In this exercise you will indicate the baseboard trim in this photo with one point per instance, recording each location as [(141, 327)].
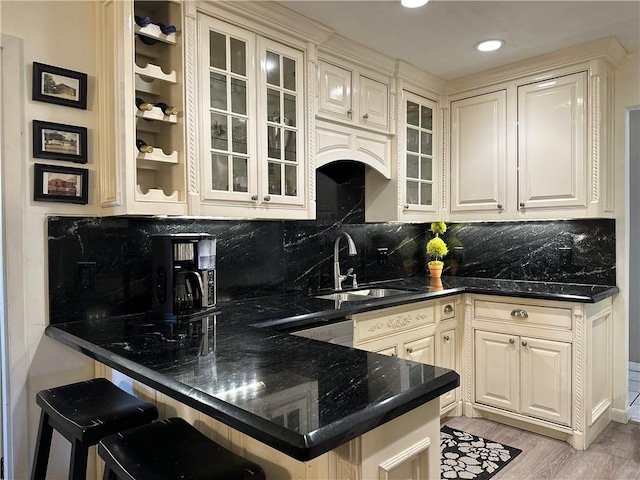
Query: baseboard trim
[(620, 416), (634, 366)]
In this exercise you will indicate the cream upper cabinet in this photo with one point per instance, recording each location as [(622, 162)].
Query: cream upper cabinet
[(351, 95), (479, 153), (252, 156), (552, 151)]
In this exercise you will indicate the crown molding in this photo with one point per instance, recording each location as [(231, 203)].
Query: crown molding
[(418, 81), (607, 49)]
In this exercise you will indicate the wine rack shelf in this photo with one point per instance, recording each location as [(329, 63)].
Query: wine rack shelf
[(155, 72), (153, 31), (155, 195), (156, 114), (156, 158)]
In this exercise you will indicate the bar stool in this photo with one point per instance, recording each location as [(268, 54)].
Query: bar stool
[(171, 449), (83, 413)]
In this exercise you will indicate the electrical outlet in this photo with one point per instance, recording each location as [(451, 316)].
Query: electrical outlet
[(86, 276), (564, 254), (382, 255), (458, 255)]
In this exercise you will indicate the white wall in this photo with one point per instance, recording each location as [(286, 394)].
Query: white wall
[(61, 34), (627, 94), (633, 138)]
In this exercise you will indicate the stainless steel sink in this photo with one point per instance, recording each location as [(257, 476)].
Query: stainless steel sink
[(362, 295)]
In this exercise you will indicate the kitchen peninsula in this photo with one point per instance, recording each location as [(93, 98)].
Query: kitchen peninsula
[(301, 397)]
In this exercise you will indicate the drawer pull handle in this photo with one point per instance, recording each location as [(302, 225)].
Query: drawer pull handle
[(409, 350), (524, 344), (446, 338), (511, 341), (448, 309), (519, 313)]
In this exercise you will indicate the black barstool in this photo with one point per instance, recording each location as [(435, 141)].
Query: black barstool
[(171, 449), (83, 413)]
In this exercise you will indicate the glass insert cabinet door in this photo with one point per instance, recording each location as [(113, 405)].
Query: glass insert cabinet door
[(251, 117), (280, 124), (420, 170)]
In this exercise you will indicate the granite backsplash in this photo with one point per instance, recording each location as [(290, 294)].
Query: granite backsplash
[(257, 258)]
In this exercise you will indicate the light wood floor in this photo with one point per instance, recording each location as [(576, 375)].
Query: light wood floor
[(614, 455)]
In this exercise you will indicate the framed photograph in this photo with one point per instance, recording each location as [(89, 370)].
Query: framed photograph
[(60, 184), (59, 142), (59, 85)]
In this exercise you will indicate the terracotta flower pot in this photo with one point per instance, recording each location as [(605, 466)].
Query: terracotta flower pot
[(435, 271)]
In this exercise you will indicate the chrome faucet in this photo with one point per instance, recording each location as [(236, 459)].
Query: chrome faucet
[(338, 278)]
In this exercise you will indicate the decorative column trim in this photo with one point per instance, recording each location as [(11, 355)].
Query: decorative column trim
[(578, 321), (468, 350), (595, 138), (400, 135), (445, 158), (311, 130), (191, 110)]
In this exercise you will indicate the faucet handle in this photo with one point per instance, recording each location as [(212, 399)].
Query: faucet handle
[(355, 282)]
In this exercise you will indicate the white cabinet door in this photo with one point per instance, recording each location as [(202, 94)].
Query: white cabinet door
[(421, 350), (497, 375), (446, 357), (546, 379), (335, 96), (552, 150), (478, 153), (374, 103)]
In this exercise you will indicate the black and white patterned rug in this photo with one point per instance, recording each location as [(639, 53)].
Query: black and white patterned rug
[(467, 456)]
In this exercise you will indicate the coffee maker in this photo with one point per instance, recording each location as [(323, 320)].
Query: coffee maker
[(184, 275)]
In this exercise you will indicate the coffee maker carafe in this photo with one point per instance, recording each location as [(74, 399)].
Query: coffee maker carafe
[(184, 275)]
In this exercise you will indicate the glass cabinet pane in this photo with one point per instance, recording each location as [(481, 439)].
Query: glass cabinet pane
[(238, 56), (290, 180), (239, 135), (289, 73), (426, 118), (425, 143), (217, 50), (290, 145), (289, 110), (412, 166), (273, 68), (240, 174), (412, 192), (425, 194), (273, 105), (218, 91), (219, 132), (413, 112), (275, 179), (219, 172), (274, 150), (412, 140), (426, 169), (238, 96)]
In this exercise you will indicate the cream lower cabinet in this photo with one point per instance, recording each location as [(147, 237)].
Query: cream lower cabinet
[(536, 378), (540, 365), (423, 332)]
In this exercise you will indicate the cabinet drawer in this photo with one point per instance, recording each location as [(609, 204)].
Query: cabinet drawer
[(392, 320), (523, 314)]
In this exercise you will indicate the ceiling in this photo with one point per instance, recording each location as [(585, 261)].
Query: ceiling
[(440, 36)]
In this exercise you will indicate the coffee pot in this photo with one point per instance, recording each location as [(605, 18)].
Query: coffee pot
[(184, 275)]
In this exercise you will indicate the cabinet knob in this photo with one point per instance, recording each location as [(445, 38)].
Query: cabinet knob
[(522, 204), (267, 198), (446, 338), (499, 206), (512, 341), (524, 344), (349, 112), (406, 207), (519, 313), (394, 354), (254, 198), (409, 350), (365, 116), (448, 309)]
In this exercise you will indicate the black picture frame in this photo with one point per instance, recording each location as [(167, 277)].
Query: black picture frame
[(53, 183), (56, 141), (60, 86)]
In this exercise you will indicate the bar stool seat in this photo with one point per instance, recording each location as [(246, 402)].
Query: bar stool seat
[(171, 449), (83, 413)]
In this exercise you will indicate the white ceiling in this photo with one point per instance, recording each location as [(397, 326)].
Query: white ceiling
[(440, 36)]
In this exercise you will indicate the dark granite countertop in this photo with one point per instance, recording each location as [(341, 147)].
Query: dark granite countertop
[(300, 396)]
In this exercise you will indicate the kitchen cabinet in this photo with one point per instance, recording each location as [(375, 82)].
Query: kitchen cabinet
[(533, 141), (540, 365), (423, 332), (536, 375), (479, 153), (351, 95), (253, 162), (141, 62)]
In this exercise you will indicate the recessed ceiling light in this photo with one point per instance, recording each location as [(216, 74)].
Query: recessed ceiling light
[(489, 45), (413, 3)]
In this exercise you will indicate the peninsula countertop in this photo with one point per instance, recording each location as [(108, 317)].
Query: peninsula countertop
[(232, 364)]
